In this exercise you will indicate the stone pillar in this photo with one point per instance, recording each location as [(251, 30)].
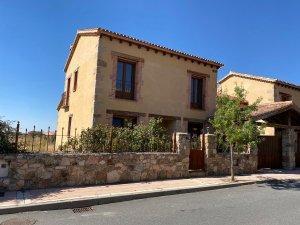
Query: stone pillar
[(289, 145), (183, 143), (184, 125), (211, 157), (210, 144)]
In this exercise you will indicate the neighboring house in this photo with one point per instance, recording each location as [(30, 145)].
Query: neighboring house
[(113, 78), (279, 111), (269, 89)]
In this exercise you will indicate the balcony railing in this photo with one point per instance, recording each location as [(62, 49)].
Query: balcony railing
[(64, 101)]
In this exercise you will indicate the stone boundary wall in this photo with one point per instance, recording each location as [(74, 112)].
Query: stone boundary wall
[(219, 163), (33, 171)]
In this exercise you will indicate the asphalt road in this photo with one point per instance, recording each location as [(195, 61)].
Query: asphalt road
[(254, 204)]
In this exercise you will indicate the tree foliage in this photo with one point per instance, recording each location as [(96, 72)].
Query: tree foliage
[(233, 123), (6, 137)]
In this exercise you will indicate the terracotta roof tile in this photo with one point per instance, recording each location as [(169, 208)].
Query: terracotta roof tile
[(269, 109)]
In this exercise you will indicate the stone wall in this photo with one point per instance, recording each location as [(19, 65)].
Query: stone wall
[(289, 147), (31, 171), (219, 163)]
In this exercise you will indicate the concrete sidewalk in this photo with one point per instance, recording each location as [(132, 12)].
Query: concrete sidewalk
[(61, 198)]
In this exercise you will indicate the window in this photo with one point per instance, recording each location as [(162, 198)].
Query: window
[(69, 126), (68, 91), (197, 97), (75, 81), (125, 80), (285, 97), (119, 121)]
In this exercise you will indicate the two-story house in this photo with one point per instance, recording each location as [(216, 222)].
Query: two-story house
[(268, 89), (279, 112), (111, 78)]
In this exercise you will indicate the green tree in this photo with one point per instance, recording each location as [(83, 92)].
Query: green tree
[(233, 123), (6, 137)]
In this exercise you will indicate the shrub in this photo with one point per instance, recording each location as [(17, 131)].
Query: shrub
[(94, 139), (143, 137), (71, 144), (6, 137)]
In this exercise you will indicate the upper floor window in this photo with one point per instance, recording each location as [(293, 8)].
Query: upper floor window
[(197, 94), (75, 80), (285, 97), (68, 91), (125, 80)]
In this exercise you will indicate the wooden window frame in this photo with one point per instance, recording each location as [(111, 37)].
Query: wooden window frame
[(197, 105), (69, 126), (68, 91), (75, 82), (123, 94)]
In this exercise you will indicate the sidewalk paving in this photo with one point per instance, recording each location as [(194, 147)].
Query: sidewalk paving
[(59, 198)]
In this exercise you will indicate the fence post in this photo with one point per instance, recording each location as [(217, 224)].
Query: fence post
[(25, 141), (55, 134), (17, 134), (110, 140), (48, 139), (41, 136), (62, 136), (33, 133)]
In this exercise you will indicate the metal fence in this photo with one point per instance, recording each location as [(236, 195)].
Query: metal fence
[(35, 140), (39, 140)]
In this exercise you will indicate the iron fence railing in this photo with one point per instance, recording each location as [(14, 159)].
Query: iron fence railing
[(35, 140), (47, 140)]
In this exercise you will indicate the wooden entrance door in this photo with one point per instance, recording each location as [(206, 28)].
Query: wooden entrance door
[(297, 153), (270, 152), (196, 152)]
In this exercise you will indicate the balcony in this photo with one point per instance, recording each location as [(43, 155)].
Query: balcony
[(64, 102)]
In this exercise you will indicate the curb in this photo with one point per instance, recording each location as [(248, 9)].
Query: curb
[(101, 200)]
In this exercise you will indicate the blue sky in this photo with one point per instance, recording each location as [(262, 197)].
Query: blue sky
[(253, 36)]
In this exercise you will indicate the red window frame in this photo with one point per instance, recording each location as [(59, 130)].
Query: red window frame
[(68, 91), (123, 94), (75, 80)]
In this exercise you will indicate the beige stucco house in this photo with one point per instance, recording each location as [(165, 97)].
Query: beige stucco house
[(268, 89), (111, 77), (279, 112)]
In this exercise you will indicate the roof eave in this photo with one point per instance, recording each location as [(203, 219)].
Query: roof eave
[(98, 31)]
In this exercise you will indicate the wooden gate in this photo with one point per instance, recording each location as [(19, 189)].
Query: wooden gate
[(270, 152), (297, 153), (196, 159), (196, 155)]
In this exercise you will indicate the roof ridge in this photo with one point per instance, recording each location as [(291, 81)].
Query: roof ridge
[(260, 78), (252, 75)]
